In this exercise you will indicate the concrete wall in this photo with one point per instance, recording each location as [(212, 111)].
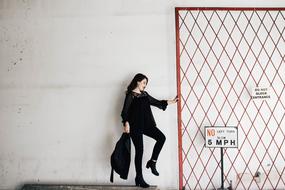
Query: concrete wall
[(64, 66)]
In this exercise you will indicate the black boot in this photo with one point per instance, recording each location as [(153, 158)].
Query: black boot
[(140, 182), (152, 165)]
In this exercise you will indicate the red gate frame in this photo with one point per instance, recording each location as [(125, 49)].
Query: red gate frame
[(177, 9)]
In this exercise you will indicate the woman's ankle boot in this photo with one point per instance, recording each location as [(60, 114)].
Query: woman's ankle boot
[(152, 165), (140, 182)]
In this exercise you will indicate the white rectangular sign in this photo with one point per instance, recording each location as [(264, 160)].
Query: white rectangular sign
[(221, 137), (261, 93)]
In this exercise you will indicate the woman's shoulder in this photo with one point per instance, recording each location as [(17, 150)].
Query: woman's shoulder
[(145, 92), (129, 94)]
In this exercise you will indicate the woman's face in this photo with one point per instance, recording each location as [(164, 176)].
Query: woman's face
[(142, 84)]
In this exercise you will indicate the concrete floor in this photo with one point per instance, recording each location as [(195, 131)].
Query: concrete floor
[(81, 187)]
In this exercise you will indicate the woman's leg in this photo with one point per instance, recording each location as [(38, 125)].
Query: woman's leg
[(156, 134), (137, 139)]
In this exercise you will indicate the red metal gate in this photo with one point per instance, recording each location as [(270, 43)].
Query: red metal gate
[(222, 54)]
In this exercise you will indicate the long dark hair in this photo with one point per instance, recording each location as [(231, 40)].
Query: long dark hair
[(138, 77)]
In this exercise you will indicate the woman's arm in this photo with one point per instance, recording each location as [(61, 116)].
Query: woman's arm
[(161, 104), (125, 111)]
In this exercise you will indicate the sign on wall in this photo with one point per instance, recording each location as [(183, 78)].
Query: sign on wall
[(221, 137), (261, 93)]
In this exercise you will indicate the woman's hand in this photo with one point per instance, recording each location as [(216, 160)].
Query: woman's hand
[(172, 101), (126, 128)]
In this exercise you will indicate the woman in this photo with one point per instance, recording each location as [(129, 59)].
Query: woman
[(138, 120)]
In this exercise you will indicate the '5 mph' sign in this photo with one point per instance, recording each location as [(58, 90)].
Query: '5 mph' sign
[(221, 137)]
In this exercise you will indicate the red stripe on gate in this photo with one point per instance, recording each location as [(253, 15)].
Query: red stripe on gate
[(179, 102)]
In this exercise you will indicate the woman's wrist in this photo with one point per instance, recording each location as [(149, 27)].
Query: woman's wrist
[(175, 100), (126, 128), (170, 102)]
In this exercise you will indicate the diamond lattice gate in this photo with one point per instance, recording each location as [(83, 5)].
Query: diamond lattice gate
[(222, 55)]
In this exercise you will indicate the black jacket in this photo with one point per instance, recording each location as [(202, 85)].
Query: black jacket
[(121, 156)]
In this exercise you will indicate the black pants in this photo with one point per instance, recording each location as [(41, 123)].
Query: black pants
[(137, 139)]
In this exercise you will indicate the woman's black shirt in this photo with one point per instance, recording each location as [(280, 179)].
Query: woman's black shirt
[(137, 111)]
